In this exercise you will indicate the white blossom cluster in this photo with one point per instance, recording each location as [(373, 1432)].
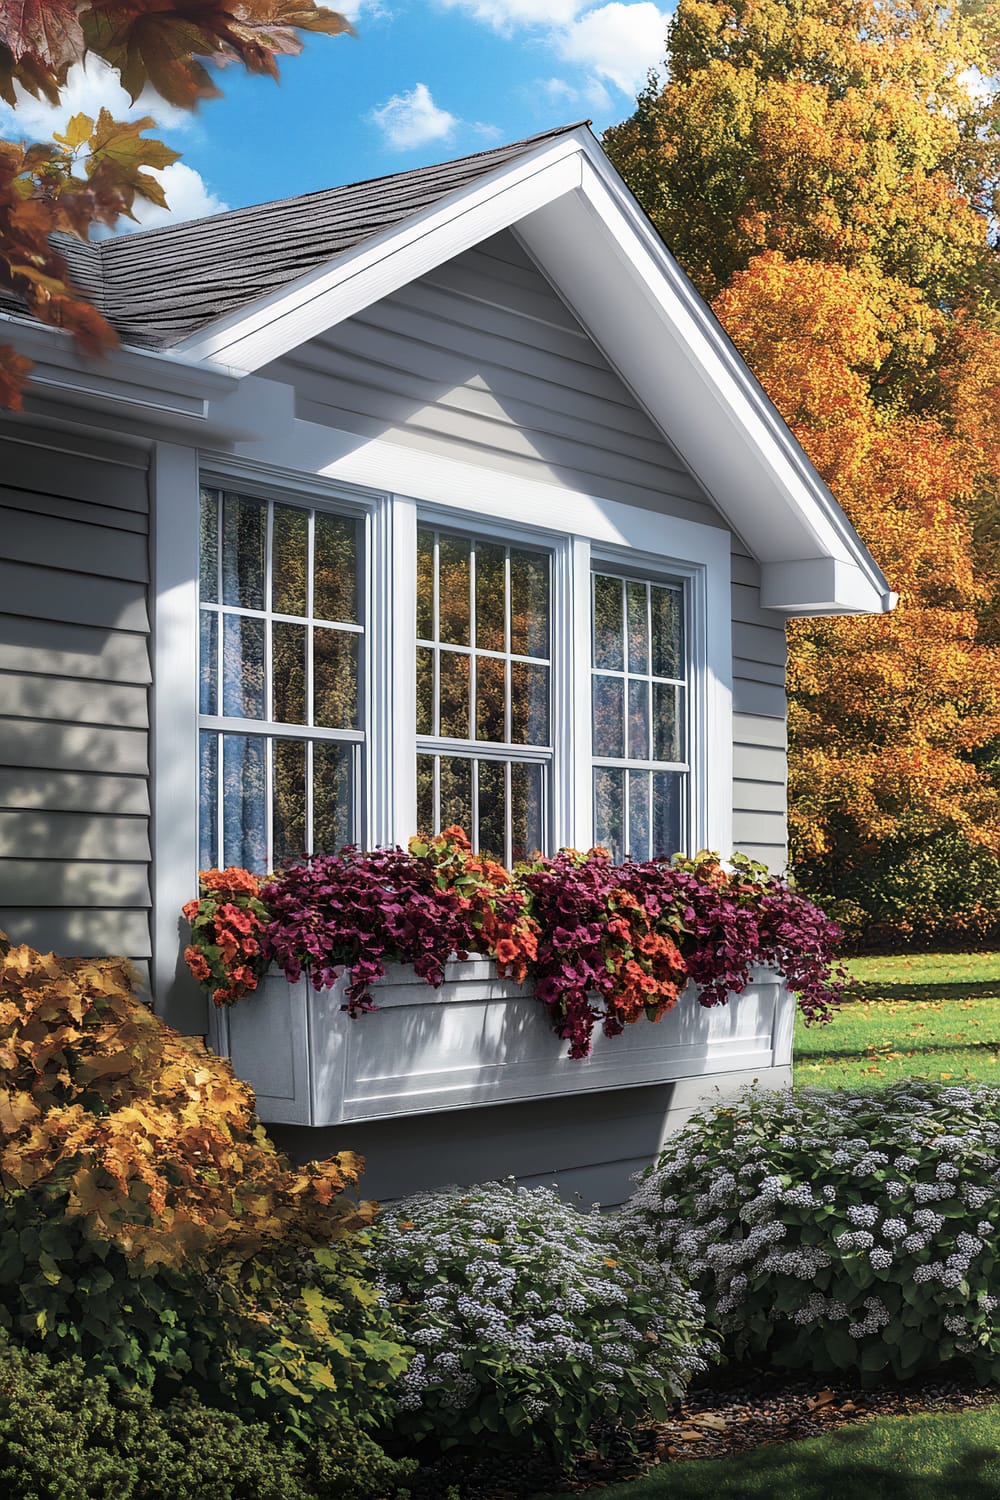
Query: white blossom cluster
[(504, 1289), (819, 1209)]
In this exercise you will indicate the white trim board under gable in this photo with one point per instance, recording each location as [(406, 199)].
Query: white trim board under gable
[(581, 225)]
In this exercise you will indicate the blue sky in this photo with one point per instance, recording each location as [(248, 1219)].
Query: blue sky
[(419, 83)]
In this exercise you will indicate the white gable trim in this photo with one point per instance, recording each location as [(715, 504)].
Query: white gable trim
[(584, 228)]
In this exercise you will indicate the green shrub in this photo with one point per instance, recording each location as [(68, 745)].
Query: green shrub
[(66, 1435), (834, 1231), (530, 1326), (909, 893)]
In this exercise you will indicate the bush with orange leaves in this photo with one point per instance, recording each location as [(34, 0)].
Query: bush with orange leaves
[(148, 1223)]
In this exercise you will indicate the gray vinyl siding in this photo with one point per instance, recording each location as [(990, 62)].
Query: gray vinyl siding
[(760, 775), (481, 360), (74, 691)]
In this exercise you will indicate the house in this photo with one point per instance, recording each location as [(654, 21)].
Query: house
[(437, 498)]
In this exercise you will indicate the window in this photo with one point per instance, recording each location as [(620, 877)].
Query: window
[(483, 711), (281, 674), (638, 676)]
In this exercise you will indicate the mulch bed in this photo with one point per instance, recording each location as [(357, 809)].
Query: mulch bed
[(745, 1410)]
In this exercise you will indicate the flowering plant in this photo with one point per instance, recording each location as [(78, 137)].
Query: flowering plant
[(603, 944), (604, 937), (837, 1231), (228, 922), (361, 911), (531, 1324), (492, 900)]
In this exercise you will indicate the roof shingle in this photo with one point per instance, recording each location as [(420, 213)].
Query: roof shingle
[(158, 286)]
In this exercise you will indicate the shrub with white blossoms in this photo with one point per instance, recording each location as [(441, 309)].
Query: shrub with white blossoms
[(838, 1231), (530, 1325)]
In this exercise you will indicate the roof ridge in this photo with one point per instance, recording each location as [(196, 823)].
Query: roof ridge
[(109, 245)]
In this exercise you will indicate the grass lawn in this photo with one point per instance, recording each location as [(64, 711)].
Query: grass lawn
[(934, 1016), (950, 1457)]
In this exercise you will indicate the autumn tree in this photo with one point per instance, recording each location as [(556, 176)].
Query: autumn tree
[(826, 174), (93, 174)]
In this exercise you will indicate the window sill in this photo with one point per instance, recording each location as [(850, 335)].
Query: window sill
[(478, 1040)]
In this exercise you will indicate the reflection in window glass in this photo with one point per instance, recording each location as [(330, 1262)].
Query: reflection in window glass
[(483, 683), (639, 708), (280, 680)]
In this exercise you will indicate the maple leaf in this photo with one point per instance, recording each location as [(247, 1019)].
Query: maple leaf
[(47, 32)]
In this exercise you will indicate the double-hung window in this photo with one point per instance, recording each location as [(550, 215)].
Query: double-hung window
[(557, 700), (484, 666), (640, 736), (282, 638)]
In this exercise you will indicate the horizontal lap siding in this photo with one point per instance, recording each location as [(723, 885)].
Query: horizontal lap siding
[(74, 688), (480, 360), (759, 721)]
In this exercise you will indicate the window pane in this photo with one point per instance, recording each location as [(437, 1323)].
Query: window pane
[(288, 835), (425, 794), (609, 650), (529, 603), (290, 560), (425, 584), (453, 668), (244, 535), (527, 836), (493, 809), (242, 667), (638, 627), (638, 815), (208, 691), (491, 595), (288, 673), (667, 793), (335, 679), (609, 716), (638, 720), (609, 811), (491, 698), (668, 723), (529, 704), (333, 796), (668, 631), (425, 690), (209, 570), (208, 801), (456, 792), (454, 589), (244, 802), (335, 569)]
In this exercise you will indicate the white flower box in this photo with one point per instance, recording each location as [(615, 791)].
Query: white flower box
[(477, 1040)]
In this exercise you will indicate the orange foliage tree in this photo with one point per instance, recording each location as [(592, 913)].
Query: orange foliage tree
[(826, 175), (93, 173)]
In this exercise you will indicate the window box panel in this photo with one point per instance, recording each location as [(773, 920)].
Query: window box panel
[(478, 1040)]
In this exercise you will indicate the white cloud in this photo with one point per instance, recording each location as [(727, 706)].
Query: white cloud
[(413, 119), (507, 15), (88, 88), (187, 198), (590, 93), (617, 41)]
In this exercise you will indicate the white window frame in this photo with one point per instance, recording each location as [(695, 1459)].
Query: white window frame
[(579, 530)]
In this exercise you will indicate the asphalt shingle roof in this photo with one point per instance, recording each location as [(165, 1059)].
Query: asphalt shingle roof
[(158, 286)]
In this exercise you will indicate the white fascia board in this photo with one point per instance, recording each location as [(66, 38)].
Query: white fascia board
[(283, 320), (674, 355), (145, 393), (820, 586)]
